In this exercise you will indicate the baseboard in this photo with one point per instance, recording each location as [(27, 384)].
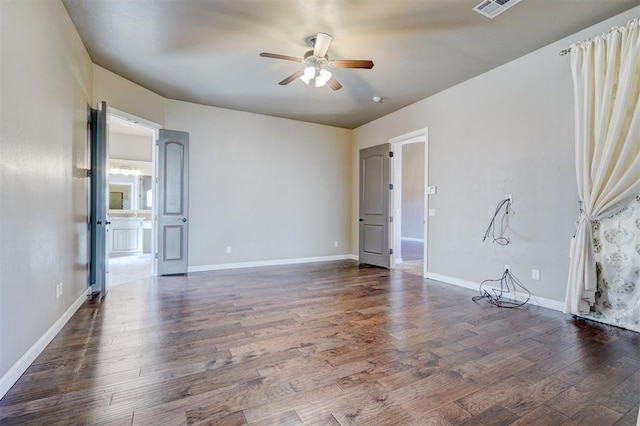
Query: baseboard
[(535, 300), (415, 240), (275, 262), (14, 373), (398, 260)]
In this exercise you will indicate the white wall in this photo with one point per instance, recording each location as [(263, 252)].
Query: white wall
[(509, 130), (267, 187), (127, 96), (45, 87), (413, 190), (130, 147)]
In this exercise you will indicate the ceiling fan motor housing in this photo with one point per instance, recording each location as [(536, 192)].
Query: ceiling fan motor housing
[(315, 61)]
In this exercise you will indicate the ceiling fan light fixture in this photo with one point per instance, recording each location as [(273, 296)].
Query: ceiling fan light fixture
[(309, 73), (322, 77), (317, 61)]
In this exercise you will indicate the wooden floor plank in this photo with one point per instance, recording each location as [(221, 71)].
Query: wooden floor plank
[(331, 343), (631, 418), (595, 415), (542, 416), (624, 396), (600, 382)]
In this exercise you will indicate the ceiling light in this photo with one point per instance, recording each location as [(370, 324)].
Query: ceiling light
[(377, 99), (320, 75), (127, 171), (309, 73)]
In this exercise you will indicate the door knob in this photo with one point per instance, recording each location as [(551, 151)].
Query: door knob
[(184, 219), (361, 220), (99, 222)]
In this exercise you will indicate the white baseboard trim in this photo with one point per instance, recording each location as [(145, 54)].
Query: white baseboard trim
[(415, 240), (14, 373), (535, 300), (275, 262), (398, 260)]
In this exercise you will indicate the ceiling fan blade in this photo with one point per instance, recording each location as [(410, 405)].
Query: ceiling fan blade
[(351, 63), (334, 83), (292, 77), (321, 45), (276, 56)]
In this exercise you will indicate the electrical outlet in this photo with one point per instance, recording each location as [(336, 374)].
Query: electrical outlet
[(58, 290), (432, 212), (535, 274), (507, 267), (228, 249), (335, 244)]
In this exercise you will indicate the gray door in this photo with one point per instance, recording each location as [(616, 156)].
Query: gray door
[(99, 200), (374, 206), (173, 195)]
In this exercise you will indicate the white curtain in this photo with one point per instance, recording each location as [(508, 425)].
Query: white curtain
[(606, 83)]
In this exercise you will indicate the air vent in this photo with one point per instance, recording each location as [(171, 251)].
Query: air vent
[(493, 8)]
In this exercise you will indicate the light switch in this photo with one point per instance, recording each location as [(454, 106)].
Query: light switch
[(431, 190)]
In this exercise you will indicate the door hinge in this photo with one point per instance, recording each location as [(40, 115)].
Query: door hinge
[(156, 255), (390, 251), (390, 186), (391, 219), (88, 173), (390, 154)]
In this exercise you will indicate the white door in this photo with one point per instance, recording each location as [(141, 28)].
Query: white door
[(374, 206), (172, 207)]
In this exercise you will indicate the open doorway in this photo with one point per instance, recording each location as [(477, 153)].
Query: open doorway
[(410, 164), (130, 239)]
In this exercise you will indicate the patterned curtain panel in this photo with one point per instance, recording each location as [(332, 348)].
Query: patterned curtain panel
[(616, 241)]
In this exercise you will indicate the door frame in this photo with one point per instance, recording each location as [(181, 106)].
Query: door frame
[(155, 127), (417, 136)]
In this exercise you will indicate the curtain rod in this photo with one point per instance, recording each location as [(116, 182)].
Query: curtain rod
[(566, 51)]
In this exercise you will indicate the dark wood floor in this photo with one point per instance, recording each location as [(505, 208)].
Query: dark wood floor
[(327, 343)]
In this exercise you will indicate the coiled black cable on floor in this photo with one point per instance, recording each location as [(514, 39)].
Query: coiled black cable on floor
[(508, 284)]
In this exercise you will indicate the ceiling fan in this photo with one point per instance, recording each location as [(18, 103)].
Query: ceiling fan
[(317, 64)]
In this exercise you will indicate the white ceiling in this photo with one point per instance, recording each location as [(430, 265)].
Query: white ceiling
[(206, 51)]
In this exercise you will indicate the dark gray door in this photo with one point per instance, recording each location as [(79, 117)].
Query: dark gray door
[(173, 197), (99, 200), (374, 206)]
